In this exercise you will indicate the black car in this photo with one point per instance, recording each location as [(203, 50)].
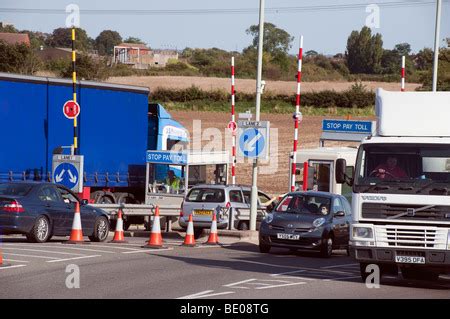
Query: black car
[(41, 210), (307, 220)]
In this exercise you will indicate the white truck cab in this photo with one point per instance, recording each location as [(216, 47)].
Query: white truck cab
[(401, 187)]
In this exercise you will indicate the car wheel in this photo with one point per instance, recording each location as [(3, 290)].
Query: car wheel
[(198, 233), (243, 226), (327, 247), (40, 232), (101, 230), (264, 248)]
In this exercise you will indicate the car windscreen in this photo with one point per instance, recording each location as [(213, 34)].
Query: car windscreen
[(304, 204), (11, 189), (206, 195)]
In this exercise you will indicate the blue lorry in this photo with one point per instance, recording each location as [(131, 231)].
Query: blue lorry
[(116, 127)]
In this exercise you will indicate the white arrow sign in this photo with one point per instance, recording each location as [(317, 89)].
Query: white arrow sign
[(250, 146), (58, 178), (72, 179)]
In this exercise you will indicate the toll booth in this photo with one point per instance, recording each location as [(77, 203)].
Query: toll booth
[(192, 167), (322, 160)]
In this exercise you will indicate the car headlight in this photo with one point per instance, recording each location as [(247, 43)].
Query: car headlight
[(318, 222), (363, 232), (269, 218)]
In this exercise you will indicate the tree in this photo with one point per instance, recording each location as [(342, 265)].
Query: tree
[(391, 59), (403, 49), (133, 40), (311, 53), (62, 37), (106, 41), (364, 52), (275, 40), (88, 68), (18, 58)]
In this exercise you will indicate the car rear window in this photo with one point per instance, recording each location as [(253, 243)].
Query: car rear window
[(14, 189), (206, 195)]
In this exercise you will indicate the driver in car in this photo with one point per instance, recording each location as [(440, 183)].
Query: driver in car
[(389, 169)]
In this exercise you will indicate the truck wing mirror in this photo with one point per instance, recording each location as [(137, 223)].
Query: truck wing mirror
[(340, 175)]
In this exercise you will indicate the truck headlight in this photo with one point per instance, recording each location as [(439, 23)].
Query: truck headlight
[(363, 232)]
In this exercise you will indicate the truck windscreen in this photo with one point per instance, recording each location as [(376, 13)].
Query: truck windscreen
[(403, 169)]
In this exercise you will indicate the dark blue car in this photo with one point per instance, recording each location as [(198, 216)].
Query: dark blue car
[(41, 210)]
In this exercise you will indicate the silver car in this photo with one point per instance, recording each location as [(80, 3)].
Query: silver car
[(204, 200)]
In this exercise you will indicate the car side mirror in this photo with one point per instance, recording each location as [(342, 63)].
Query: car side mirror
[(339, 214), (84, 202)]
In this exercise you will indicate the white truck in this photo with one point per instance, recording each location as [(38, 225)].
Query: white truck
[(401, 187)]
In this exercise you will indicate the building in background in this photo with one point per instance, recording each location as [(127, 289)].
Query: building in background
[(15, 38), (139, 56)]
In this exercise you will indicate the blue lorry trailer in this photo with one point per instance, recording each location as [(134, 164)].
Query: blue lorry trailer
[(116, 127)]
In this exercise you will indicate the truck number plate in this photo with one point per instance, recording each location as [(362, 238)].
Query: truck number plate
[(409, 260), (288, 236)]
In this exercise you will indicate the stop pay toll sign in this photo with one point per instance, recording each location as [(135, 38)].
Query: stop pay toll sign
[(71, 109)]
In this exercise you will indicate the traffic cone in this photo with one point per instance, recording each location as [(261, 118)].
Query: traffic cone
[(189, 240), (155, 240), (118, 234), (2, 264), (213, 238), (76, 235)]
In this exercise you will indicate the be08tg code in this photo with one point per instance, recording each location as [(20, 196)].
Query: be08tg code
[(237, 308)]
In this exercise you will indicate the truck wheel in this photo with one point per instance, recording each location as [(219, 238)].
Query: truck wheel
[(101, 230), (243, 226), (105, 200), (40, 232), (326, 250), (263, 248)]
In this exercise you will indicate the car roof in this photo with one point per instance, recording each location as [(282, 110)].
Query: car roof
[(221, 186), (315, 193)]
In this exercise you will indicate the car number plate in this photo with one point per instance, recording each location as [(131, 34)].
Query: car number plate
[(288, 236), (203, 212), (409, 260)]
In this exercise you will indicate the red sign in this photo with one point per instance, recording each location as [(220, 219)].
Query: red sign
[(232, 126), (71, 109)]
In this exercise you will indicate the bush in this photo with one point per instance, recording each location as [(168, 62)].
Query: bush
[(87, 68), (18, 58), (355, 97)]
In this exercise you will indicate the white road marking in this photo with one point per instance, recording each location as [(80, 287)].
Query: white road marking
[(115, 246), (337, 266), (282, 285), (13, 266), (32, 256), (75, 258), (213, 246), (288, 272), (236, 284), (341, 278), (43, 251), (69, 248), (206, 293), (147, 250), (16, 261), (297, 277)]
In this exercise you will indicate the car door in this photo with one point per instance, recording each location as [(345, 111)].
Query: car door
[(340, 223), (86, 214), (348, 219), (240, 206), (54, 206)]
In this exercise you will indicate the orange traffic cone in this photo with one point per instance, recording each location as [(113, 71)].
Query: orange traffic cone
[(118, 234), (76, 235), (189, 240), (155, 240), (213, 238), (2, 264)]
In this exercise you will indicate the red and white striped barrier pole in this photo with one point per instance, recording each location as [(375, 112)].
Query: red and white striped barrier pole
[(297, 115), (233, 120), (305, 176), (403, 73)]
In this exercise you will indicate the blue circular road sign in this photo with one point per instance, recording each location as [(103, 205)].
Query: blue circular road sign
[(66, 174), (252, 142)]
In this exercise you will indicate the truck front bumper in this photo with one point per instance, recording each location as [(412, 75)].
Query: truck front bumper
[(439, 259)]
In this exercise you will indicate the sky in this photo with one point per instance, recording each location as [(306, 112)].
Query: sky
[(325, 31)]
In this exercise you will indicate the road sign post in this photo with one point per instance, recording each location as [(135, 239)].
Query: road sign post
[(68, 171)]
